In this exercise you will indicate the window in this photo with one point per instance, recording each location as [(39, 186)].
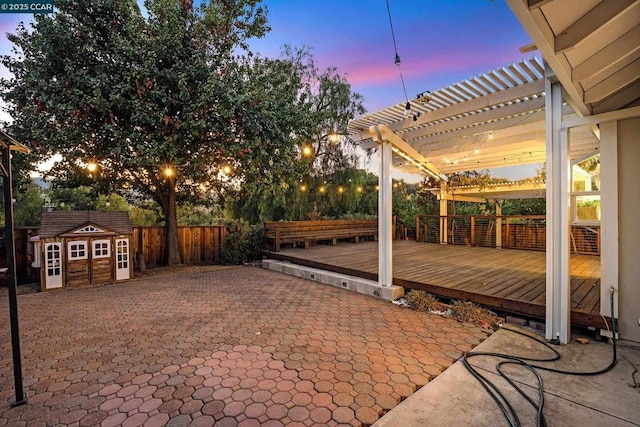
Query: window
[(77, 250), (585, 191), (101, 248), (89, 229)]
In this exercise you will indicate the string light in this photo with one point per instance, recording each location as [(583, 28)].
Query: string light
[(226, 169), (168, 171), (303, 188), (92, 167), (397, 60), (307, 150), (340, 190)]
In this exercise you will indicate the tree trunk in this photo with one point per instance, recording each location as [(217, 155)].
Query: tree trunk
[(172, 252)]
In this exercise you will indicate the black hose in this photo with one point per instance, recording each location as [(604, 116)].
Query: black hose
[(501, 400)]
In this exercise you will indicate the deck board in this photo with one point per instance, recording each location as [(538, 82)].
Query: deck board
[(505, 279)]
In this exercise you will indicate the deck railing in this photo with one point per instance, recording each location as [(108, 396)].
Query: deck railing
[(511, 231)]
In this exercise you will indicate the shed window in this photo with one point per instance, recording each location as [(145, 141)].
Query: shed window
[(77, 250), (101, 248), (89, 229)]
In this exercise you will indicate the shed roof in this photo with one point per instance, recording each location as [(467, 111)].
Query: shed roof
[(59, 222)]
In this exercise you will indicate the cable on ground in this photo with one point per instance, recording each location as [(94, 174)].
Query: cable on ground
[(506, 408)]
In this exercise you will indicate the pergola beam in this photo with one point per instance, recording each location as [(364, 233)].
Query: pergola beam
[(491, 116), (597, 19), (494, 188), (610, 57), (536, 25), (627, 113), (409, 152), (460, 198), (537, 3), (618, 80), (495, 98)]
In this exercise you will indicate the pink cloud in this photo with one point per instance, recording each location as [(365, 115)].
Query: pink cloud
[(365, 69)]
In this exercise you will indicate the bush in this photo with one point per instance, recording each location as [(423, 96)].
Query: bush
[(422, 301), (466, 311), (243, 243)]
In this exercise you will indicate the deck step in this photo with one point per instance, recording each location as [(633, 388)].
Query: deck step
[(342, 281)]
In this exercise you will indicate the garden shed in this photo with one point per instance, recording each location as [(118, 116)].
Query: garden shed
[(84, 247)]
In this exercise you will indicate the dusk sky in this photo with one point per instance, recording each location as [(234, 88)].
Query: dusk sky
[(439, 42)]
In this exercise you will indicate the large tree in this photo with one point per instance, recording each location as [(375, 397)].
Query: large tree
[(161, 99), (326, 104)]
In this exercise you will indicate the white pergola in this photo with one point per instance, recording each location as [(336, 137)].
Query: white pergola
[(524, 113)]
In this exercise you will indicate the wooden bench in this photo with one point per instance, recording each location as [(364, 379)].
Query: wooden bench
[(280, 232)]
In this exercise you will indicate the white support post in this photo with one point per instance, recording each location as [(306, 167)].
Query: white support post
[(444, 221), (558, 283), (498, 205), (385, 233), (609, 216)]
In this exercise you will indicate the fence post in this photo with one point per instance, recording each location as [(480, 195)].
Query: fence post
[(508, 233), (473, 230)]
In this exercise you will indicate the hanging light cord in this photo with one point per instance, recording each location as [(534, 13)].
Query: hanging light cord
[(395, 48)]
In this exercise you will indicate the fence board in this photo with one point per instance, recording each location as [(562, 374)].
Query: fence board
[(198, 245)]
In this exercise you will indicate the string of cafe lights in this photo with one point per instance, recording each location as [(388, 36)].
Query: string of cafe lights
[(397, 60), (326, 188), (489, 136)]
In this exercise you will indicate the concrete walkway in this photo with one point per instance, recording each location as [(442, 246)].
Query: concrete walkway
[(456, 398), (231, 346)]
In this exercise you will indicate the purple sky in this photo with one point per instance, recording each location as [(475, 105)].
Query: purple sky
[(440, 42)]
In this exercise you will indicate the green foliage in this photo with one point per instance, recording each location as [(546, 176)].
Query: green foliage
[(243, 243), (29, 205), (524, 207), (145, 214), (136, 91), (348, 193), (188, 214), (72, 199), (112, 203), (422, 301), (328, 105)]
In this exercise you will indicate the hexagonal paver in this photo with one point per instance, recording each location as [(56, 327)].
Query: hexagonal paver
[(272, 350)]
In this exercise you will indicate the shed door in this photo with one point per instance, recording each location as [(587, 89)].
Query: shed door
[(53, 263), (122, 259), (101, 262)]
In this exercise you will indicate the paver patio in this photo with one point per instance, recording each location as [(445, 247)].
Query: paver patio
[(225, 346)]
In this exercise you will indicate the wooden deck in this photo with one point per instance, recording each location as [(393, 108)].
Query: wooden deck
[(504, 279)]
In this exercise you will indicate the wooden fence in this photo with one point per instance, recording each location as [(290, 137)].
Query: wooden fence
[(198, 245)]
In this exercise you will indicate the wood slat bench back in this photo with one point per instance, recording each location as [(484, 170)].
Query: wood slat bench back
[(319, 230)]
